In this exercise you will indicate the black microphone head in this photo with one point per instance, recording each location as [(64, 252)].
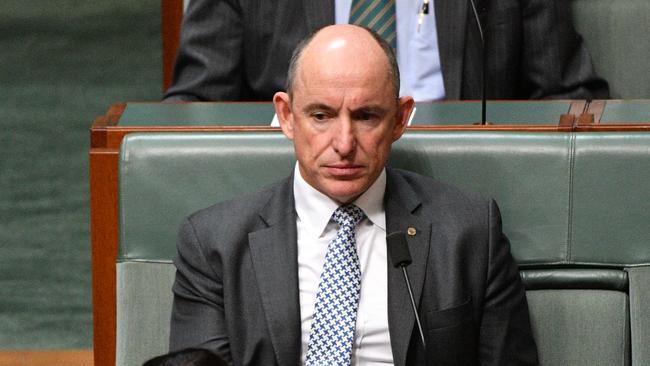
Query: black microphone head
[(398, 249)]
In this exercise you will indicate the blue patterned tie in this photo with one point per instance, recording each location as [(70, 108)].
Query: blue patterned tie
[(335, 312)]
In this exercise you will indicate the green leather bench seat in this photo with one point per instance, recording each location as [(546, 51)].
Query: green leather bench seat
[(575, 207), (617, 112)]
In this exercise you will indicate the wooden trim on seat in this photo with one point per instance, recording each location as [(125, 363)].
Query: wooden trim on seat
[(591, 121), (578, 107), (614, 128), (596, 107), (104, 231)]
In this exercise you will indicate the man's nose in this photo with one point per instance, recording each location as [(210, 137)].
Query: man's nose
[(344, 141)]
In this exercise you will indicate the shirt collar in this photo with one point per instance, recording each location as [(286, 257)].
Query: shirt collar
[(315, 209)]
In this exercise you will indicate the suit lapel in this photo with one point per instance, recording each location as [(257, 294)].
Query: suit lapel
[(318, 13), (401, 214), (451, 21), (274, 254)]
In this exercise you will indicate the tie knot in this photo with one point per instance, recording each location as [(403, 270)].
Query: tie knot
[(348, 215)]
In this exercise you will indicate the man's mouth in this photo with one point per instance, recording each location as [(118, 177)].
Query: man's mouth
[(344, 171)]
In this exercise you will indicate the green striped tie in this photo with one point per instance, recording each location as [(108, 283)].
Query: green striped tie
[(378, 15)]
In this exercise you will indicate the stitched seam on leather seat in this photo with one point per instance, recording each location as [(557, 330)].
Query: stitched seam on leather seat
[(626, 341), (124, 165), (570, 229)]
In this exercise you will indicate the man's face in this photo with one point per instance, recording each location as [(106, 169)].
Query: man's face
[(342, 120)]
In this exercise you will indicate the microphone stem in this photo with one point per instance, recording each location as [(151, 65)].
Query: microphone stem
[(483, 64), (483, 89), (415, 312)]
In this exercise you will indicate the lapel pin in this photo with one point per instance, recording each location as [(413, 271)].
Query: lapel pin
[(411, 231)]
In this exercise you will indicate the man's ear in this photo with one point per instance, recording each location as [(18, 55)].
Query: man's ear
[(404, 109), (282, 104)]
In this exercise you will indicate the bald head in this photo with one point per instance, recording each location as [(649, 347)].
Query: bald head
[(342, 110), (339, 48)]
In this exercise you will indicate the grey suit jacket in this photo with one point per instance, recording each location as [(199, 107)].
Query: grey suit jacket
[(240, 49), (236, 287)]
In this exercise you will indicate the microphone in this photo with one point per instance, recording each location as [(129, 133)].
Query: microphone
[(399, 254), (483, 63)]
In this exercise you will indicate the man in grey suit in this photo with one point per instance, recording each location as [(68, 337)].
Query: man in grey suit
[(251, 272), (240, 50)]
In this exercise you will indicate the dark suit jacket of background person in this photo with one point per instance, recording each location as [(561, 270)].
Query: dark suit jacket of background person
[(240, 50), (236, 287)]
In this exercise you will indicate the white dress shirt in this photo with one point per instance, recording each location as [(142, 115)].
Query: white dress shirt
[(418, 56), (315, 231)]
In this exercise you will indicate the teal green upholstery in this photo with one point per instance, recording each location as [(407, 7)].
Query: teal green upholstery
[(165, 177), (565, 321), (575, 207), (611, 198), (616, 34), (533, 201), (626, 112), (144, 304), (640, 314)]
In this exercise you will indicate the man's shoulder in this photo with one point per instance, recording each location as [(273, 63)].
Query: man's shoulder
[(431, 190), (448, 204), (241, 209)]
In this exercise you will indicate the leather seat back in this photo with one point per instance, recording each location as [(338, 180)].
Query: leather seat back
[(574, 207)]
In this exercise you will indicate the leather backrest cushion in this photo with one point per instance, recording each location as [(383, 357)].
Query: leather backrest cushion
[(564, 197), (165, 177), (611, 199)]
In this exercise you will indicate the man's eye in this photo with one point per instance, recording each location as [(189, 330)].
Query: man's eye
[(366, 116), (319, 116)]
